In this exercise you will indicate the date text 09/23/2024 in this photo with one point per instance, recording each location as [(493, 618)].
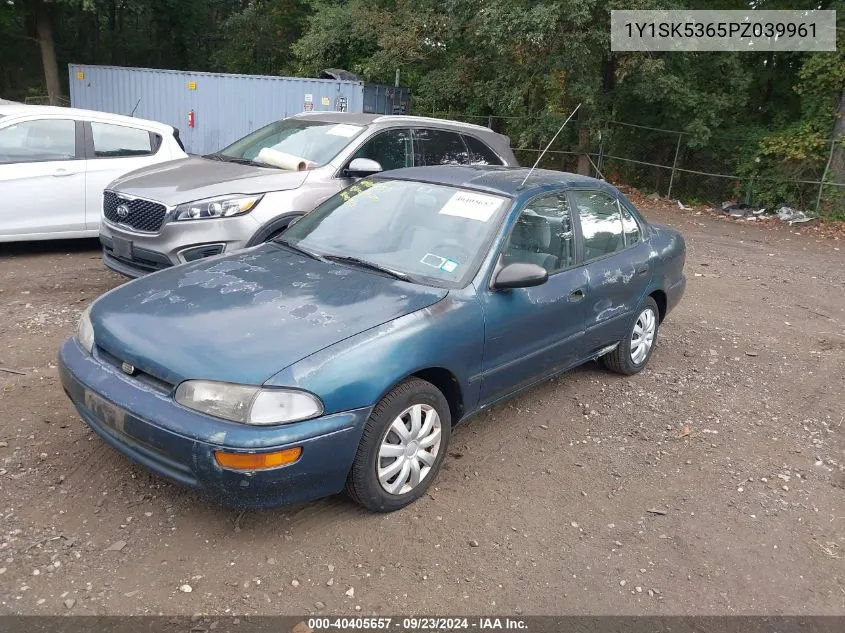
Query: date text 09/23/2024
[(416, 623)]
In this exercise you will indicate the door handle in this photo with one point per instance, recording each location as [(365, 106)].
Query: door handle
[(576, 295), (642, 270), (62, 172)]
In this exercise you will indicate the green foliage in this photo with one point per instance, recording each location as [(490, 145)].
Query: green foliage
[(258, 39), (798, 149), (763, 117)]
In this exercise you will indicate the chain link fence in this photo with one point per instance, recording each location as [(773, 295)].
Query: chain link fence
[(658, 160)]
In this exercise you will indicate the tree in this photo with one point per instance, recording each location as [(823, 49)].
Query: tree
[(41, 16), (258, 38)]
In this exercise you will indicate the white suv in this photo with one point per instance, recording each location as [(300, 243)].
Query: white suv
[(56, 162)]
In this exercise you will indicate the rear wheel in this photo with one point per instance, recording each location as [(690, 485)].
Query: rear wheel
[(634, 351), (402, 448)]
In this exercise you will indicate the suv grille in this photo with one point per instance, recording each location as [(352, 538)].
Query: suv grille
[(143, 215)]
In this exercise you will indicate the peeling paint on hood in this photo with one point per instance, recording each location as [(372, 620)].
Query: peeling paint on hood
[(244, 317)]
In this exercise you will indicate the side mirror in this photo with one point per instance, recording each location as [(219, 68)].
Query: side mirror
[(360, 167), (520, 275)]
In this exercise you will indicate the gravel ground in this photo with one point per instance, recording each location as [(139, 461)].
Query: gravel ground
[(711, 483)]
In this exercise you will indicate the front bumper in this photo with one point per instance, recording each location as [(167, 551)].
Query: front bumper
[(154, 251), (149, 427)]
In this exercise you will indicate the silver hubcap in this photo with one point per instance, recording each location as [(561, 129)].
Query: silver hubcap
[(643, 337), (408, 449)]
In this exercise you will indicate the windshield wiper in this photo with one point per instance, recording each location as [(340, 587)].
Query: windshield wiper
[(298, 249), (346, 259), (234, 159), (247, 161)]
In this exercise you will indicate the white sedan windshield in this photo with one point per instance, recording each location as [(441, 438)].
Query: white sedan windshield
[(434, 233)]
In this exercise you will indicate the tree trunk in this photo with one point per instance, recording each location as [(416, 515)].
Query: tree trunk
[(583, 143), (44, 29), (112, 20), (837, 161)]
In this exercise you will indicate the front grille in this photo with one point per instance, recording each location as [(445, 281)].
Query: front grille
[(143, 215), (149, 261), (148, 379)]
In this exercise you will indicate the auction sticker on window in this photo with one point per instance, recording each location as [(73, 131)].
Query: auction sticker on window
[(449, 265), (475, 206)]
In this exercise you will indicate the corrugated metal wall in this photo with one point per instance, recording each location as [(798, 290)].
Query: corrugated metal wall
[(386, 99), (226, 107)]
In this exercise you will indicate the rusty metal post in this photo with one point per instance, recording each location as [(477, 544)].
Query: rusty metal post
[(674, 164), (748, 195), (824, 174), (603, 136)]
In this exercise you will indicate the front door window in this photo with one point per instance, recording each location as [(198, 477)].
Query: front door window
[(391, 149)]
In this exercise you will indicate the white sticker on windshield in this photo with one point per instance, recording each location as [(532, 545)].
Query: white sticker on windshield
[(475, 206), (435, 261), (344, 130)]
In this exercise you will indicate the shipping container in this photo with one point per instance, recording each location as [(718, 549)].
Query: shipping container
[(212, 110)]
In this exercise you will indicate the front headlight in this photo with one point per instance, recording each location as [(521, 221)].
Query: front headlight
[(248, 404), (220, 207), (84, 331)]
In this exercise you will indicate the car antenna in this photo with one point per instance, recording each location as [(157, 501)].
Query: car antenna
[(543, 153), (136, 107)]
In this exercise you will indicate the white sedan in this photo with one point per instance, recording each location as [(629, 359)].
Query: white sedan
[(55, 163)]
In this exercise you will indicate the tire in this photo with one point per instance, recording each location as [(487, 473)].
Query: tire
[(268, 233), (621, 360), (273, 236), (363, 484)]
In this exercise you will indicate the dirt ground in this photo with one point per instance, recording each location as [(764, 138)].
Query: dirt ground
[(711, 483)]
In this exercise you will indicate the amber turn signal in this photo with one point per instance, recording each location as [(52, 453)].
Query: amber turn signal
[(257, 461)]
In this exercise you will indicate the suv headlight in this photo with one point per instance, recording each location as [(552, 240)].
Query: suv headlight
[(84, 331), (220, 207), (248, 404)]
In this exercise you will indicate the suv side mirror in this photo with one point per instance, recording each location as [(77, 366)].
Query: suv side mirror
[(520, 275), (360, 167)]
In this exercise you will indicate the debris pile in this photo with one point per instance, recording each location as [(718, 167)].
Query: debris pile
[(740, 210)]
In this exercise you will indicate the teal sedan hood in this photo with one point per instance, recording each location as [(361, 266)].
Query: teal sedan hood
[(243, 317)]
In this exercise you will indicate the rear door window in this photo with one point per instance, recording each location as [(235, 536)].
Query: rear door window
[(601, 223), (479, 153), (439, 147), (630, 227), (118, 141)]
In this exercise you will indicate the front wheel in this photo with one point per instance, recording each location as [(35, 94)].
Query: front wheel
[(277, 227), (402, 447), (634, 351)]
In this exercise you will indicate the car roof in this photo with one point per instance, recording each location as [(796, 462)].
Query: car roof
[(503, 181), (354, 118), (21, 110)]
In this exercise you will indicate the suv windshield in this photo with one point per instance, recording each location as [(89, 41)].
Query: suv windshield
[(314, 141), (429, 233)]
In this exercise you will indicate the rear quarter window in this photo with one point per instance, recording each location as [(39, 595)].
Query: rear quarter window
[(479, 153), (439, 147), (118, 141)]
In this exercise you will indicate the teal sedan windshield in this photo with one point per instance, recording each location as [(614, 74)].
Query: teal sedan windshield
[(429, 233)]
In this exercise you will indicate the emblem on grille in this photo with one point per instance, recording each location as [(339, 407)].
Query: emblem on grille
[(122, 211), (127, 368)]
